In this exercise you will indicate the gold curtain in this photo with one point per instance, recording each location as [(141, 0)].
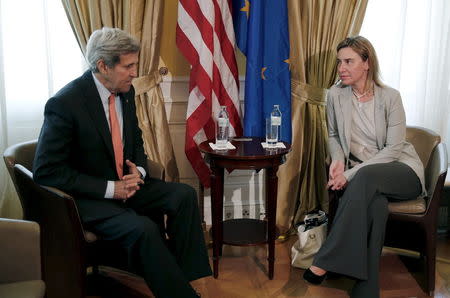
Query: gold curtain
[(315, 29), (143, 20)]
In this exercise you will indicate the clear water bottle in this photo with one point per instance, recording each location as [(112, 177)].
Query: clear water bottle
[(223, 128), (275, 122)]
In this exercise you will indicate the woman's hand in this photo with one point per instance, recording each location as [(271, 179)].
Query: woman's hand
[(338, 182), (337, 168)]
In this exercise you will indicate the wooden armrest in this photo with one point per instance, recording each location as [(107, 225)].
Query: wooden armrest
[(58, 192)]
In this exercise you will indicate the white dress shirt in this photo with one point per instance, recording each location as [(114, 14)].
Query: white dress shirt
[(104, 96)]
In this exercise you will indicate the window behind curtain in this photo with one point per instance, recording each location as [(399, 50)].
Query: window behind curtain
[(40, 55), (412, 40)]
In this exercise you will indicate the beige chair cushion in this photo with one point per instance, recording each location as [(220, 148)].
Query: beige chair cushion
[(416, 206), (20, 253), (23, 289)]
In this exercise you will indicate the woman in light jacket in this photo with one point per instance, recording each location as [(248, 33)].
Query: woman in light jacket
[(370, 160)]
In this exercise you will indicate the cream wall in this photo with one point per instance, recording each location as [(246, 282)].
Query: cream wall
[(243, 189)]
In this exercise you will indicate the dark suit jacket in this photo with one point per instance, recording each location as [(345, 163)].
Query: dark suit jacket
[(75, 152)]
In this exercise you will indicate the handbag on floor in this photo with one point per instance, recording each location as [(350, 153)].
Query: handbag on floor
[(311, 234)]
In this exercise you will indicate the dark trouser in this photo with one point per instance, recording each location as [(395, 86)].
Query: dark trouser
[(354, 244), (167, 267)]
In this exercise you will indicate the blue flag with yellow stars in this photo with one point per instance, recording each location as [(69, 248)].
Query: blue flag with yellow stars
[(262, 34)]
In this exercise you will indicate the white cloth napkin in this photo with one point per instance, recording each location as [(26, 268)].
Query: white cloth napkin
[(229, 146), (277, 145)]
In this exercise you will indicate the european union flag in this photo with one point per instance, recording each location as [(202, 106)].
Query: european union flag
[(262, 34)]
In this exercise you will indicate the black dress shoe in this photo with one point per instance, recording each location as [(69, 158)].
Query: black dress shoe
[(310, 277), (333, 275)]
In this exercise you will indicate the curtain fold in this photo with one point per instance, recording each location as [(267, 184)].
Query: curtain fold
[(315, 29), (143, 20)]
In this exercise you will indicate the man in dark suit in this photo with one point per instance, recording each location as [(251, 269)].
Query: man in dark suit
[(90, 145)]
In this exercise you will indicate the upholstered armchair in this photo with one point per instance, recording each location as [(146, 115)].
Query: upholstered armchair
[(412, 225), (68, 250), (20, 259)]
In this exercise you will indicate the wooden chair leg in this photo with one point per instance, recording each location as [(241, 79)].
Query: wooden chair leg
[(201, 202), (430, 263)]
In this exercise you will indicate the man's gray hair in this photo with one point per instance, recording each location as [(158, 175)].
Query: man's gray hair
[(108, 44)]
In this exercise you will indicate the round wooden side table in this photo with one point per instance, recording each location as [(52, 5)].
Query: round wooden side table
[(249, 154)]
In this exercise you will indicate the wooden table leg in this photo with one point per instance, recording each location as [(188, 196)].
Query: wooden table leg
[(271, 211), (201, 201), (201, 206), (217, 215)]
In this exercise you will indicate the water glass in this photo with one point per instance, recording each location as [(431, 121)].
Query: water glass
[(271, 133)]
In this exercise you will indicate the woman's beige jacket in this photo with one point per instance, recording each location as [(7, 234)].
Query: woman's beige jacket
[(390, 127)]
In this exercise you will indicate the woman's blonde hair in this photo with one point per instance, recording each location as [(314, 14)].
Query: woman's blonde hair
[(365, 50)]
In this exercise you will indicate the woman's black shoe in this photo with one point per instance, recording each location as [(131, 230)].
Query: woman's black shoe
[(310, 277)]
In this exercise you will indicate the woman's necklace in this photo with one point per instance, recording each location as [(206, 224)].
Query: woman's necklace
[(359, 96)]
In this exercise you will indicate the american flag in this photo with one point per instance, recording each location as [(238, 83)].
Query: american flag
[(205, 36)]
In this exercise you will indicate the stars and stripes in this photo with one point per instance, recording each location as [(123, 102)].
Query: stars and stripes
[(205, 36)]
